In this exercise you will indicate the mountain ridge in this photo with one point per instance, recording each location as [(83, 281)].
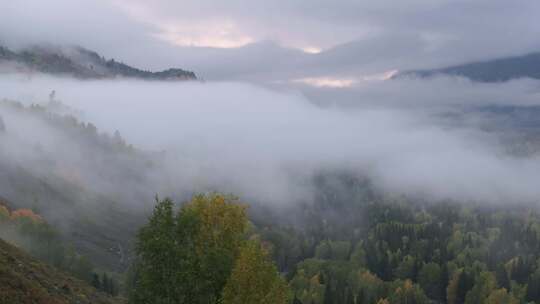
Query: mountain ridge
[(82, 63), (494, 70)]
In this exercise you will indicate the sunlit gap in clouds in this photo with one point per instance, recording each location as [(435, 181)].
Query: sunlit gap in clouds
[(337, 82), (311, 50), (208, 32), (327, 82), (216, 34)]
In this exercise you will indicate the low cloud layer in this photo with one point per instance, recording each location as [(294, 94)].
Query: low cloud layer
[(267, 145)]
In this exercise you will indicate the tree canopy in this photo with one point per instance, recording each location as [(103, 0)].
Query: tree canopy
[(200, 254)]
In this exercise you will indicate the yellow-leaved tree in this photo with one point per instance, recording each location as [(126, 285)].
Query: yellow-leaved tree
[(501, 296), (187, 256), (190, 256), (255, 279)]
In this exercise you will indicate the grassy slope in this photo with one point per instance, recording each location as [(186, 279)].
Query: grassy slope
[(26, 280)]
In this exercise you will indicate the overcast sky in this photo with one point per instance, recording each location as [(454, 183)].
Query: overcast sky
[(281, 39)]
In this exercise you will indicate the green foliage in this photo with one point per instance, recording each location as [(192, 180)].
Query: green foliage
[(408, 293), (356, 248), (370, 288), (406, 269), (484, 284), (188, 256), (450, 253), (306, 284), (96, 282), (333, 250), (358, 256), (27, 230), (23, 279), (159, 274), (402, 253), (429, 279), (4, 214), (533, 287)]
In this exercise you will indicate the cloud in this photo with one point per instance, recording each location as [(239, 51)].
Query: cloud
[(95, 24), (266, 145), (449, 93), (473, 27), (228, 40)]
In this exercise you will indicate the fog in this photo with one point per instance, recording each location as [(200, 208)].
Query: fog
[(265, 145)]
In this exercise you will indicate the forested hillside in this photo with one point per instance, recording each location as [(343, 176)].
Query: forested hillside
[(26, 280), (350, 243), (354, 245), (496, 70), (360, 247), (62, 191), (81, 63)]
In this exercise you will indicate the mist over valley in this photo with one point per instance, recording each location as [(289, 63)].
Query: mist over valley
[(176, 155)]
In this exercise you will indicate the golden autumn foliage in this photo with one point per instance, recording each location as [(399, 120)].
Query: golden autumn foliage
[(501, 296), (370, 286), (194, 249), (223, 222), (254, 279), (408, 293), (451, 289), (407, 288)]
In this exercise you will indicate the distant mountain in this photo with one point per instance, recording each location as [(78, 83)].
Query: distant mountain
[(497, 70), (81, 63), (23, 279)]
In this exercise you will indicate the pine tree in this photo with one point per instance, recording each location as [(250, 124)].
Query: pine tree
[(465, 283), (429, 279), (350, 297), (533, 288), (502, 276), (112, 287), (444, 281), (328, 294), (95, 281), (105, 284)]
